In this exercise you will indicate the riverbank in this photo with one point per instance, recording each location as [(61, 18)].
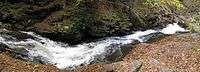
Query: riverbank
[(173, 53), (177, 53), (9, 64)]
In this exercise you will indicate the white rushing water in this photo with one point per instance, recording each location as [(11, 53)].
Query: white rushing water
[(63, 56)]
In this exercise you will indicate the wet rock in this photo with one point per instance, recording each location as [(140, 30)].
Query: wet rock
[(20, 53), (3, 47), (154, 36), (18, 35), (115, 55), (72, 39)]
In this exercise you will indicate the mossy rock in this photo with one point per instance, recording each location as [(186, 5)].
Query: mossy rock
[(159, 13), (22, 14), (193, 22), (97, 18)]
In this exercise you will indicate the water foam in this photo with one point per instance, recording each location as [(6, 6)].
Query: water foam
[(172, 29)]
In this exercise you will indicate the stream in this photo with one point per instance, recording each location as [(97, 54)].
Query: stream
[(64, 56)]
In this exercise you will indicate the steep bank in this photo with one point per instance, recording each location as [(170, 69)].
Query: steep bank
[(78, 20)]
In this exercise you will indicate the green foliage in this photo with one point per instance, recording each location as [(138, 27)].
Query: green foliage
[(196, 47), (75, 18), (158, 3), (120, 19), (77, 2), (194, 25), (5, 25), (153, 2), (17, 10)]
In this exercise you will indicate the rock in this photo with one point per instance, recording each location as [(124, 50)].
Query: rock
[(122, 51), (19, 51), (170, 54), (193, 12), (167, 70), (154, 36), (122, 66), (136, 66), (22, 14), (72, 39), (127, 66), (18, 35), (3, 47)]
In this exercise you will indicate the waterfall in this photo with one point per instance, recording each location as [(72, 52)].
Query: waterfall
[(63, 56)]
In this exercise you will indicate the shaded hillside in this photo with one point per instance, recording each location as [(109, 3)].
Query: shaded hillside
[(76, 20)]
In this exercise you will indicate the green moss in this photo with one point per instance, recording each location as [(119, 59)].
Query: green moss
[(194, 24), (120, 20), (16, 10), (158, 3), (156, 6), (196, 47), (75, 17), (77, 2), (7, 26)]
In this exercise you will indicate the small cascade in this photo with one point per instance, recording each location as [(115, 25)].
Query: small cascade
[(63, 56)]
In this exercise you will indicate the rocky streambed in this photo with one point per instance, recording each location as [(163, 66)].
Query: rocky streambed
[(34, 48), (176, 53), (179, 52)]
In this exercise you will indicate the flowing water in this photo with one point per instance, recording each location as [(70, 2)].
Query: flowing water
[(63, 56)]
